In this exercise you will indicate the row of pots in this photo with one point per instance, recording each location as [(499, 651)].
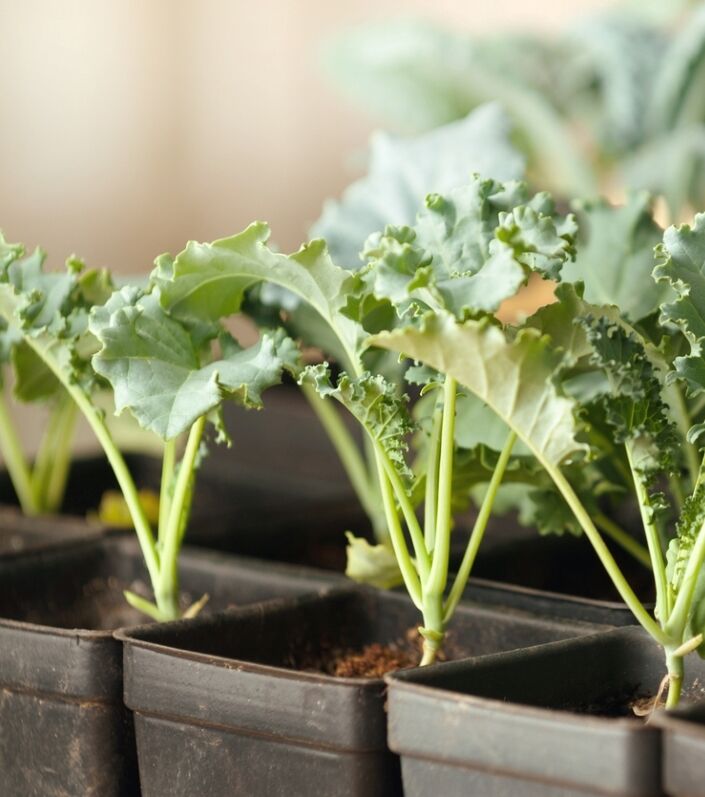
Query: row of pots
[(229, 702), (221, 704)]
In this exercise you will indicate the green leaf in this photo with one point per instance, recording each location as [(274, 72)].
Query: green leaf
[(403, 171), (682, 266), (375, 404), (550, 514), (371, 564), (34, 381), (155, 371), (9, 252), (560, 321), (207, 282), (515, 378), (615, 256), (634, 407), (469, 250), (45, 295)]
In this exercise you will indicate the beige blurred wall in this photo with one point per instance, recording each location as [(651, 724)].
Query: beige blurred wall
[(128, 127)]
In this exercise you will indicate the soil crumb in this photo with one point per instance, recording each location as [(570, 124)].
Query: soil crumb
[(373, 661)]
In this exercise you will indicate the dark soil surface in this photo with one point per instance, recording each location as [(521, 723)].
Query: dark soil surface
[(101, 606), (374, 660), (636, 704)]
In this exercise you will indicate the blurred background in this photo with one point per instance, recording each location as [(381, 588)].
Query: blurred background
[(129, 127)]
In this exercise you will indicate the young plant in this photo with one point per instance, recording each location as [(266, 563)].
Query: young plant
[(172, 377), (39, 485), (466, 253), (582, 380), (401, 173)]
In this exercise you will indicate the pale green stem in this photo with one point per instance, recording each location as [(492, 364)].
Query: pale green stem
[(168, 464), (433, 586), (54, 485), (43, 460), (120, 469), (478, 531), (167, 594), (348, 453), (624, 540), (653, 541), (396, 533), (432, 631), (436, 582), (387, 468), (603, 553), (16, 462), (684, 422), (675, 679), (431, 491), (143, 605)]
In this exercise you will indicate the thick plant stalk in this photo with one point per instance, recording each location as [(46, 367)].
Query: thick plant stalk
[(167, 591), (434, 586), (168, 465)]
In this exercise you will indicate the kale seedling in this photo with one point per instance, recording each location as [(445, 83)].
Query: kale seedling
[(581, 380), (39, 485), (172, 377), (467, 253)]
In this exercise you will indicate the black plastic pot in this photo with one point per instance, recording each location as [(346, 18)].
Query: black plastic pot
[(226, 705), (554, 576), (63, 726), (683, 749), (547, 721), (19, 534)]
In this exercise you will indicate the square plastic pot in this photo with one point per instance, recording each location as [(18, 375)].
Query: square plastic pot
[(683, 749), (227, 705), (63, 726), (554, 576), (548, 721)]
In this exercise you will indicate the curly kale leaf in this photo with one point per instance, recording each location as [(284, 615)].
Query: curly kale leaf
[(633, 404), (375, 403), (514, 377), (468, 251), (46, 312), (682, 266), (208, 281), (156, 369), (403, 170), (615, 258)]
